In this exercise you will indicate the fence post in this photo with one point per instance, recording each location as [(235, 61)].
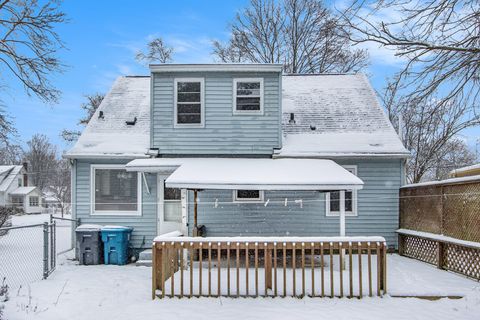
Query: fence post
[(440, 255), (45, 250)]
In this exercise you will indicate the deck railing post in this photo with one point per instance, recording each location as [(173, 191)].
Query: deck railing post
[(268, 268), (440, 254)]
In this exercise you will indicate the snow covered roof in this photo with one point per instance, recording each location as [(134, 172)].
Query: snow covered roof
[(465, 171), (253, 174), (7, 175), (335, 115), (110, 136), (21, 191), (466, 179)]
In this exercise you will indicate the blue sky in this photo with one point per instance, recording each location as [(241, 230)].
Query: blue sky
[(102, 38)]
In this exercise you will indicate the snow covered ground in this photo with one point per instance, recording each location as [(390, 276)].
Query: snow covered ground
[(21, 250), (123, 292)]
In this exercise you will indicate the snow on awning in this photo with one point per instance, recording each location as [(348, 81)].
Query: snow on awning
[(252, 174)]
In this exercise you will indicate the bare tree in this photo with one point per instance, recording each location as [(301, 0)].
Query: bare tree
[(60, 185), (92, 104), (455, 154), (438, 40), (41, 156), (157, 51), (301, 34), (429, 131), (29, 44), (10, 154)]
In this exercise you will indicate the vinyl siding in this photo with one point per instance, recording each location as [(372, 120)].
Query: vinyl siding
[(144, 226), (377, 208), (224, 132)]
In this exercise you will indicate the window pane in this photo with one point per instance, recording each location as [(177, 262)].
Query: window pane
[(335, 201), (115, 190), (172, 194), (248, 85), (348, 201), (188, 108), (248, 194), (33, 201), (188, 97), (248, 104), (172, 211), (189, 118), (188, 86)]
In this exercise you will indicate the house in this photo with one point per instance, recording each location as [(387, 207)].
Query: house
[(239, 150), (467, 171), (15, 190)]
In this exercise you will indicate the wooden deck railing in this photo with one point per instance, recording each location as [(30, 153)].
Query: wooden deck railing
[(268, 266)]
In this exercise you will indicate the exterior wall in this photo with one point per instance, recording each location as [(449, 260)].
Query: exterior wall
[(224, 132), (26, 202), (145, 226), (377, 208)]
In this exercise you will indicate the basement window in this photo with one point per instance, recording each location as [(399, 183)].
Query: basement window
[(248, 96), (248, 196)]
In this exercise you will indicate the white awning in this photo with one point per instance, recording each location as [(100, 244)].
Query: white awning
[(251, 174)]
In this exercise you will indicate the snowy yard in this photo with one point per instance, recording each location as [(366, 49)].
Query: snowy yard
[(123, 292), (21, 250)]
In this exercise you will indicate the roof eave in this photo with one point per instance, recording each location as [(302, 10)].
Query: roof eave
[(234, 67)]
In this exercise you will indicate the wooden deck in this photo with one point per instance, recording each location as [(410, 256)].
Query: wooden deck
[(269, 267)]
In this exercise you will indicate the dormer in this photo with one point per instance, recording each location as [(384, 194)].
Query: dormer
[(216, 109)]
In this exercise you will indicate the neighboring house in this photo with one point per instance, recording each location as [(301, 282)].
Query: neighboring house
[(15, 190), (261, 149), (467, 171)]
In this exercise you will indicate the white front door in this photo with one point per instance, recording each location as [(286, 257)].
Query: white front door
[(171, 208)]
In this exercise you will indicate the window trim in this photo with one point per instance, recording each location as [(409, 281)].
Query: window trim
[(30, 201), (354, 212), (249, 200), (202, 103), (234, 100), (94, 212)]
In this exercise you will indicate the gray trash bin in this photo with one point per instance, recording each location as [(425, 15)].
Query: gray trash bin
[(89, 244)]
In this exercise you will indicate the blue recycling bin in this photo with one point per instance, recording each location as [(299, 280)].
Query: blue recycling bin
[(115, 244)]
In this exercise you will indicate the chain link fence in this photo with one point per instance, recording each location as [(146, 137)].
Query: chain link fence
[(27, 253)]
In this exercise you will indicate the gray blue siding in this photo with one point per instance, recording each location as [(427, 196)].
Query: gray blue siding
[(224, 133), (145, 227), (377, 208)]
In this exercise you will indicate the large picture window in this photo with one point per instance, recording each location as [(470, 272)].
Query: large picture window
[(248, 96), (333, 199), (189, 109), (115, 191)]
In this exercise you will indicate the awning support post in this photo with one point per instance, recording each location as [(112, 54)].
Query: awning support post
[(342, 223), (195, 212)]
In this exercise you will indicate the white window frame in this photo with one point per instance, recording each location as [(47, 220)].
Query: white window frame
[(354, 212), (30, 201), (249, 200), (247, 112), (202, 103), (94, 212)]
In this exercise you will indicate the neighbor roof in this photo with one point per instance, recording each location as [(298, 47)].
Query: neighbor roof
[(335, 115), (21, 191), (110, 136), (7, 176)]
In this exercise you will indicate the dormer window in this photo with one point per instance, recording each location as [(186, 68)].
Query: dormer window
[(189, 105), (248, 96)]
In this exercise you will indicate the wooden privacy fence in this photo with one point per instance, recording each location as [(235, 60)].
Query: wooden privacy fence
[(440, 224), (269, 267)]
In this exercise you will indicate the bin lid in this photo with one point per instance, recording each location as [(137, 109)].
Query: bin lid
[(117, 228), (89, 227)]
